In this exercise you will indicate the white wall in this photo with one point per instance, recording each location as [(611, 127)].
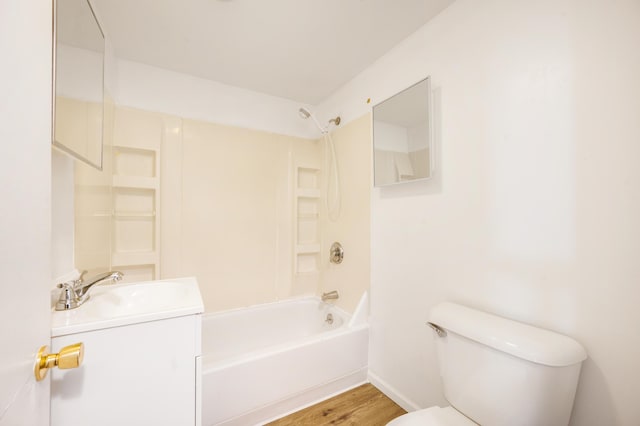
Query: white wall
[(155, 89), (534, 211)]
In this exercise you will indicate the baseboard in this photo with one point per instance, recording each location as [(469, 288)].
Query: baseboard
[(392, 393), (299, 401)]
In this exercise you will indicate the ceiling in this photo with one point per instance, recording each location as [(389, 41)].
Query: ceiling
[(301, 50)]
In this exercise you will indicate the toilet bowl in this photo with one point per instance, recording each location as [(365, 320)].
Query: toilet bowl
[(499, 372), (433, 416)]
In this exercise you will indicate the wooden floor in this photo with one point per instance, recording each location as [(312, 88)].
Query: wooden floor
[(364, 405)]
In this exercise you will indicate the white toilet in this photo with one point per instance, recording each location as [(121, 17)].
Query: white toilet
[(499, 372)]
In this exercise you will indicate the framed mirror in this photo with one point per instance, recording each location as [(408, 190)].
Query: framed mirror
[(78, 110), (402, 141)]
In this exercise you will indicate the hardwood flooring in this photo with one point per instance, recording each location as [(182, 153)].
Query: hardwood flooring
[(362, 406)]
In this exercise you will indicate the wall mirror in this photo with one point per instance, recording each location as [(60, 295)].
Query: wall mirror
[(402, 142), (78, 81)]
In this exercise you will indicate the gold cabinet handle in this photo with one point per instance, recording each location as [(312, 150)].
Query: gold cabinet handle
[(68, 357)]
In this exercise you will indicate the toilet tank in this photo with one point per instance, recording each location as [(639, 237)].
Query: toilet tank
[(500, 372)]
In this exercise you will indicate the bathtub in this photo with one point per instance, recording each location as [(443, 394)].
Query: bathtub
[(265, 361)]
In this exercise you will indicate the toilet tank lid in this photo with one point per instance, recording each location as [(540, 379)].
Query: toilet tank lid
[(515, 338)]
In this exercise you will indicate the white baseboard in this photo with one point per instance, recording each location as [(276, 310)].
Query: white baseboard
[(318, 394), (392, 393)]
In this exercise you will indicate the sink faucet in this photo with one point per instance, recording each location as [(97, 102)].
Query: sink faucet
[(75, 292), (332, 295)]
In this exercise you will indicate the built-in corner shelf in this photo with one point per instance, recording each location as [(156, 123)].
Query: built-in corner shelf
[(134, 258), (135, 215), (138, 182), (307, 220), (308, 193), (307, 248)]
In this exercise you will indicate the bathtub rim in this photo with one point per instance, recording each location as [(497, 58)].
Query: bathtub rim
[(346, 327), (212, 366), (311, 297)]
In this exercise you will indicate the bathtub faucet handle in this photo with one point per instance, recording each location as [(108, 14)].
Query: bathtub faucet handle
[(332, 295)]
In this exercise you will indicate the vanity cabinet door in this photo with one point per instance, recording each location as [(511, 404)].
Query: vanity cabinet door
[(141, 374)]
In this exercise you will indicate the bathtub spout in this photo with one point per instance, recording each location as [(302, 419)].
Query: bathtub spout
[(332, 295)]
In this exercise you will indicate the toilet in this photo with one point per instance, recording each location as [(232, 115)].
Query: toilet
[(499, 372)]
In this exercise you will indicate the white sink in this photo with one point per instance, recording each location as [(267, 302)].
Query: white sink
[(122, 304)]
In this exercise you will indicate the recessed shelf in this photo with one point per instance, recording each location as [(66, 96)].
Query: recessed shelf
[(308, 193), (134, 258), (307, 248), (307, 263), (309, 272), (134, 214), (307, 220), (135, 207), (134, 234), (308, 216), (101, 214), (129, 161), (307, 177), (140, 182)]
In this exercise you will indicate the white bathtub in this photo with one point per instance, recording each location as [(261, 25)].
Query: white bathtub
[(262, 362)]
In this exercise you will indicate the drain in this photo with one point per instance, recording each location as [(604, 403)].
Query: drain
[(329, 319)]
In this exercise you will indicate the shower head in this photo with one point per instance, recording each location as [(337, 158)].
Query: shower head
[(304, 113)]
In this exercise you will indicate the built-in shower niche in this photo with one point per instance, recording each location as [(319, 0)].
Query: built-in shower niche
[(135, 213), (307, 220), (134, 220), (134, 162)]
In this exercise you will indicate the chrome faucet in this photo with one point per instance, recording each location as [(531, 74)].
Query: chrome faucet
[(332, 295), (75, 292)]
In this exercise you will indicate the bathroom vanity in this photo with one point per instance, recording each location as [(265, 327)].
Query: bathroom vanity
[(141, 360)]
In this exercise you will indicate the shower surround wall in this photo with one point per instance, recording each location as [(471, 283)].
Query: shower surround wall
[(237, 228), (224, 205), (353, 227), (137, 175)]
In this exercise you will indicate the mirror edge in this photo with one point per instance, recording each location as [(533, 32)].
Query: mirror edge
[(54, 143), (431, 135)]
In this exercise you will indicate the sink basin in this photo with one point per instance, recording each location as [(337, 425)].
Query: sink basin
[(123, 304)]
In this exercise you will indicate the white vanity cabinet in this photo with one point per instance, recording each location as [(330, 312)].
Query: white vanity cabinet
[(142, 372)]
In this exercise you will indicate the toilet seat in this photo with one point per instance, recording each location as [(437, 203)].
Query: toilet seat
[(433, 416)]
